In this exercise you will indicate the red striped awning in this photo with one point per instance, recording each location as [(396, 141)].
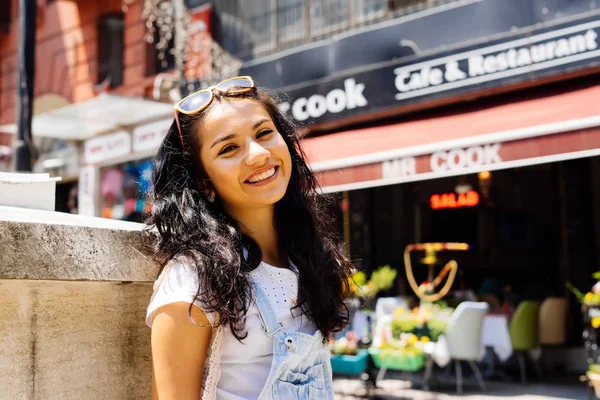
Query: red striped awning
[(527, 132)]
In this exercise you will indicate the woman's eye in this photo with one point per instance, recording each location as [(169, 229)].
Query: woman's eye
[(264, 133), (228, 149)]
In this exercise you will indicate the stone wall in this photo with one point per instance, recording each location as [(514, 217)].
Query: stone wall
[(73, 293)]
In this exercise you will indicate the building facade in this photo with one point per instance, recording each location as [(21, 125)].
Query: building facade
[(466, 120), (95, 76)]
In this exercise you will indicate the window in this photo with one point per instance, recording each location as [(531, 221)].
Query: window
[(156, 61), (369, 10), (329, 15), (5, 15), (260, 17), (401, 7), (291, 20), (110, 49)]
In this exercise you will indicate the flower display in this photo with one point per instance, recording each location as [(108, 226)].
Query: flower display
[(347, 345), (591, 298), (428, 321), (381, 279)]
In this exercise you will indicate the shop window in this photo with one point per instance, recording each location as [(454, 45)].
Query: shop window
[(455, 225), (124, 190), (515, 230), (111, 49)]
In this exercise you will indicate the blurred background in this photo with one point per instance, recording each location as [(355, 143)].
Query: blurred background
[(474, 121)]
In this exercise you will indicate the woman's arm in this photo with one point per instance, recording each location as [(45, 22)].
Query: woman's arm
[(178, 351)]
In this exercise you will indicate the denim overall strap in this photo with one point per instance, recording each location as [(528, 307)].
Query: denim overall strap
[(271, 324)]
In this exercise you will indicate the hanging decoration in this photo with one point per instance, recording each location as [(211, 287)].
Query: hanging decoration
[(164, 19), (223, 65), (427, 290), (199, 60)]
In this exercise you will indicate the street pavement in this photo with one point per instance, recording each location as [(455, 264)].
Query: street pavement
[(396, 389)]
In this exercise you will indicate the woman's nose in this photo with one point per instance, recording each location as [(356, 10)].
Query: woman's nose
[(257, 153)]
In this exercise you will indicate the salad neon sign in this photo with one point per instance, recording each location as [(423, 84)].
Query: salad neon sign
[(454, 200)]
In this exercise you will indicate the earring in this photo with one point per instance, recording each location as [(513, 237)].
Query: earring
[(211, 198)]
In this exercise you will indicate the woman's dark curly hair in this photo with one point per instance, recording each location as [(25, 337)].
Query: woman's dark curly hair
[(189, 225)]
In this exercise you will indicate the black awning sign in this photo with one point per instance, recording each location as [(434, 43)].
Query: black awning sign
[(347, 97), (500, 61), (525, 57)]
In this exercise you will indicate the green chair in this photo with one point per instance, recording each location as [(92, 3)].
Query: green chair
[(523, 330)]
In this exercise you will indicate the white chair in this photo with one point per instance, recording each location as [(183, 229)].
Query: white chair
[(463, 341)]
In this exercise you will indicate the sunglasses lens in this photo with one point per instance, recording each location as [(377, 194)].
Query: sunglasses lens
[(196, 101), (233, 84)]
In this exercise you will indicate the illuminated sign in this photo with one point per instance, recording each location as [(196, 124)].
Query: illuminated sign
[(454, 200)]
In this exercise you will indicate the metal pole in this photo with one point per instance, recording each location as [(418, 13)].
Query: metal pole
[(23, 147)]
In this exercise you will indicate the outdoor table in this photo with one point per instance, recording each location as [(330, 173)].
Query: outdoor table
[(495, 334)]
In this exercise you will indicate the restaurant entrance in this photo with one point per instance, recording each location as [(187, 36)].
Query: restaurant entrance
[(531, 230)]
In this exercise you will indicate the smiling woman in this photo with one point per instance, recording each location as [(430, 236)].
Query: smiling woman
[(249, 168), (251, 268)]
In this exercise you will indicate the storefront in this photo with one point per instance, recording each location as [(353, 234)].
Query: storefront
[(494, 142), (81, 142), (117, 171)]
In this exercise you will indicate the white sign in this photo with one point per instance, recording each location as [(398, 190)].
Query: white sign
[(538, 52), (106, 147), (337, 100), (465, 158), (150, 136), (402, 167), (87, 191)]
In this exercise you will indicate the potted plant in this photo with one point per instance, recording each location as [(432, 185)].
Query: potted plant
[(402, 354), (347, 357), (590, 307)]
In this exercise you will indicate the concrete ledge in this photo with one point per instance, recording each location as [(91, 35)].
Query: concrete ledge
[(67, 339), (74, 340), (56, 246)]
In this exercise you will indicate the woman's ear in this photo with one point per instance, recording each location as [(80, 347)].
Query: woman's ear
[(207, 189)]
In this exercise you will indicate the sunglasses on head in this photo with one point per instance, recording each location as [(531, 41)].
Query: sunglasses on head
[(198, 101)]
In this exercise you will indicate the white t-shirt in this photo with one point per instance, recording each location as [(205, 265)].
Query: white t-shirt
[(244, 366)]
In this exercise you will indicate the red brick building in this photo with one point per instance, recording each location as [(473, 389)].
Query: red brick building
[(95, 74), (68, 47)]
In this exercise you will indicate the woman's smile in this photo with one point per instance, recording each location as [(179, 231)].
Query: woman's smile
[(264, 176)]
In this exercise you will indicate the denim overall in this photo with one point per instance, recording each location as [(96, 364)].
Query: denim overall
[(301, 367)]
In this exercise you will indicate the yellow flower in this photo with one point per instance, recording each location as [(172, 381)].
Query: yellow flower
[(399, 311), (425, 339), (589, 296), (412, 339), (596, 322)]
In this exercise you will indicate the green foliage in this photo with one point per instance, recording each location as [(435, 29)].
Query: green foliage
[(576, 292), (360, 278), (436, 328), (403, 325), (383, 277)]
